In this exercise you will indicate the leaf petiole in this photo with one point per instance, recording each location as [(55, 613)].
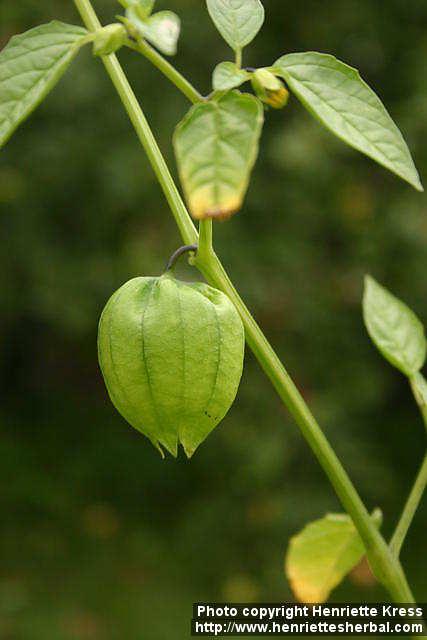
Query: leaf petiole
[(409, 510), (205, 250), (165, 67)]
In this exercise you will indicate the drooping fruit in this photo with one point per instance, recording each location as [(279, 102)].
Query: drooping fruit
[(171, 354)]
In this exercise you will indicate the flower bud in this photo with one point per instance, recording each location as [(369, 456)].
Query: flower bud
[(171, 354), (109, 39), (269, 89)]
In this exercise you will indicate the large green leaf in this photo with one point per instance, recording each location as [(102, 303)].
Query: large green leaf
[(216, 146), (338, 97), (394, 328), (238, 21), (322, 554), (30, 66), (227, 75)]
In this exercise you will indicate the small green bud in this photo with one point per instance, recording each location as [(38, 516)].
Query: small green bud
[(270, 89), (171, 354), (109, 39)]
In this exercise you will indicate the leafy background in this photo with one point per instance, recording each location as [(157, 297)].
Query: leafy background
[(100, 539)]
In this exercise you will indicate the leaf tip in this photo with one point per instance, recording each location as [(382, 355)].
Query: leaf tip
[(413, 178), (171, 445), (157, 446), (189, 449), (368, 283)]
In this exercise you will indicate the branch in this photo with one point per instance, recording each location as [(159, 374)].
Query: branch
[(165, 67)]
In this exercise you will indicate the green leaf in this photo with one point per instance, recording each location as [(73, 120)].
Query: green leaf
[(419, 389), (394, 328), (162, 29), (238, 21), (216, 146), (30, 66), (336, 95), (322, 554), (227, 75)]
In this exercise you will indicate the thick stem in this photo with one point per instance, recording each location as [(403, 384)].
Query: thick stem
[(385, 566), (409, 510), (168, 70)]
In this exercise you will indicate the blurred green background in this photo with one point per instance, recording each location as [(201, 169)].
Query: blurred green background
[(100, 538)]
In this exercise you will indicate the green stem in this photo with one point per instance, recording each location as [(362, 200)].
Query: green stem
[(188, 248), (205, 251), (143, 130), (385, 566), (409, 510), (418, 385), (166, 68), (238, 59), (387, 570)]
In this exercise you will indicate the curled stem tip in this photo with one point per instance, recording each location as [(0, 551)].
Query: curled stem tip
[(188, 248)]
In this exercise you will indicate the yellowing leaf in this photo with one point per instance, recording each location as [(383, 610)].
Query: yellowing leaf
[(216, 146), (322, 554)]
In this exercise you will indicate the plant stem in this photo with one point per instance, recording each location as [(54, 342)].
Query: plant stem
[(205, 251), (167, 69), (143, 130), (409, 510), (238, 59), (188, 248), (386, 567), (418, 385)]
